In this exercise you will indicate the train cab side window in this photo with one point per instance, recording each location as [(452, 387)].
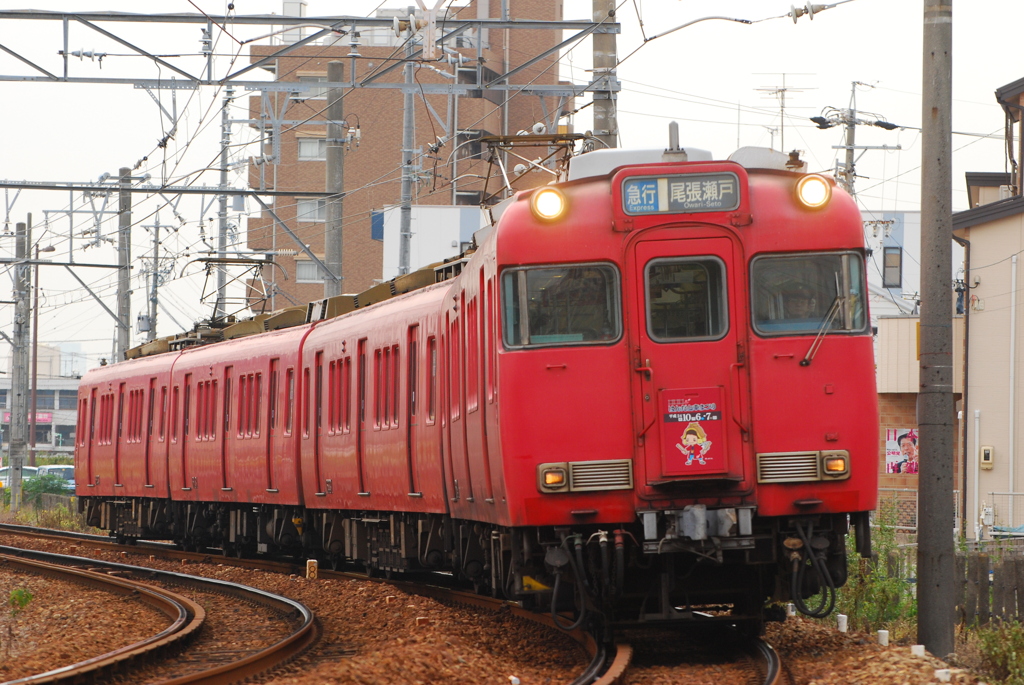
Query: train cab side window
[(561, 305), (805, 294), (686, 299)]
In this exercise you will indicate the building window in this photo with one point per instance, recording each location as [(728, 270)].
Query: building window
[(468, 144), (68, 399), (311, 210), (312, 149), (44, 399), (892, 267), (316, 93), (307, 271)]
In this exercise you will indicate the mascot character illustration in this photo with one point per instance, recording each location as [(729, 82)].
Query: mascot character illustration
[(695, 444)]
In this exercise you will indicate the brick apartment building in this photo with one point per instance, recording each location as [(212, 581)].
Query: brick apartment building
[(373, 170)]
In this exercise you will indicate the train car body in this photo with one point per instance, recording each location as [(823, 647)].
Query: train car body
[(650, 389)]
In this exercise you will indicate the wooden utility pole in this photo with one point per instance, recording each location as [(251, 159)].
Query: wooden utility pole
[(936, 591)]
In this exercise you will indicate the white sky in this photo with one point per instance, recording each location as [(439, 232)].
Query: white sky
[(708, 77)]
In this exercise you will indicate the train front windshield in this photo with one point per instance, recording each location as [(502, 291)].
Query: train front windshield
[(561, 305), (805, 294)]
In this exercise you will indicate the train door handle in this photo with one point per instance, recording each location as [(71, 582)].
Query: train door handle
[(645, 370)]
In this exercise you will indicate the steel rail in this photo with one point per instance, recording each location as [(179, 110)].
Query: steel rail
[(773, 664), (283, 651), (186, 616), (608, 663)]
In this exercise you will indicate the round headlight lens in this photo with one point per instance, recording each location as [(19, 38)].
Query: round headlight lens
[(814, 191), (548, 204)]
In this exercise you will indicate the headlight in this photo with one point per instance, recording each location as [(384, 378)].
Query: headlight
[(814, 191), (548, 204)]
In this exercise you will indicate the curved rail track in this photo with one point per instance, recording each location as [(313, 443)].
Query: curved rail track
[(609, 663), (186, 616)]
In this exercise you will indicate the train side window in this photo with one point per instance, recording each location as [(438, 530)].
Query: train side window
[(272, 396), (174, 414), (472, 355), (227, 402), (186, 406), (377, 389), (240, 432), (413, 373), (432, 382), (455, 391), (385, 381), (289, 410), (362, 384), (332, 397), (82, 406), (213, 410), (804, 294), (150, 428), (163, 412), (346, 396), (686, 299), (489, 340), (395, 383), (257, 405), (575, 304), (306, 390), (201, 388)]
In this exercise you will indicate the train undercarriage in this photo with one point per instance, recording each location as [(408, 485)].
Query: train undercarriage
[(694, 562)]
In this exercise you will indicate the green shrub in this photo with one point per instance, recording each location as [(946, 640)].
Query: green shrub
[(32, 488), (877, 595), (17, 600), (1002, 648)]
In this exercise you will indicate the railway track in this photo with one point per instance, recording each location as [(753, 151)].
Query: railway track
[(186, 619), (609, 665)]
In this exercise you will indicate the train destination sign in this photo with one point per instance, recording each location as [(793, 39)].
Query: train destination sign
[(681, 194)]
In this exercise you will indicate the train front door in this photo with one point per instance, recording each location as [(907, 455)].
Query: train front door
[(691, 381)]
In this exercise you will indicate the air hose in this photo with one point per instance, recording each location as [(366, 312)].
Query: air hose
[(828, 600)]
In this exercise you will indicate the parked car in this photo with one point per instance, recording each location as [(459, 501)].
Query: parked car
[(26, 472), (65, 471)]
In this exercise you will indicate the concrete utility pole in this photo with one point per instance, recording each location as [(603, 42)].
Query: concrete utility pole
[(408, 132), (124, 260), (335, 182), (606, 123), (220, 308), (846, 174), (19, 380), (155, 282), (936, 589)]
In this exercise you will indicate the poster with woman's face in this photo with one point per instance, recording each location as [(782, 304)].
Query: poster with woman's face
[(901, 450)]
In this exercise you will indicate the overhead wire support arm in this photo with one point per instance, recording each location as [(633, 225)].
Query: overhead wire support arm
[(330, 274), (120, 323)]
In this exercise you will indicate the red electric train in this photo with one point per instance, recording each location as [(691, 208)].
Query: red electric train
[(649, 391)]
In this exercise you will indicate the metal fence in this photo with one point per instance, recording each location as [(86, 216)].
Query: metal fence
[(1002, 513), (899, 506)]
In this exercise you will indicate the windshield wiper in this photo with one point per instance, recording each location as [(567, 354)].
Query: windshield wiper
[(826, 324)]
